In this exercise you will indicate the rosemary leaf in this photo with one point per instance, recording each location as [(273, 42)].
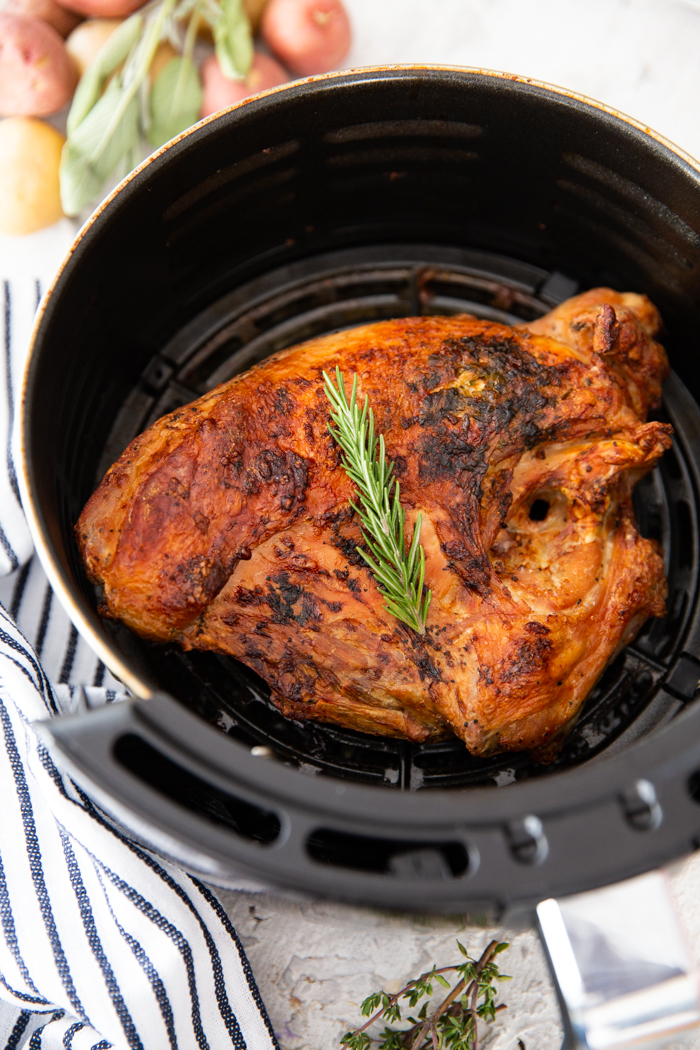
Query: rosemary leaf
[(399, 574)]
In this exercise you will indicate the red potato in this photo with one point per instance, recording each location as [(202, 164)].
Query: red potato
[(309, 36), (104, 8), (220, 92), (58, 17), (37, 76)]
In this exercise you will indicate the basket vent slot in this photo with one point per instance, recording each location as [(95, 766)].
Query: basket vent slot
[(402, 859), (197, 795)]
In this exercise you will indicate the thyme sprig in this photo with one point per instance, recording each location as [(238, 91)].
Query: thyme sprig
[(452, 1024), (399, 575)]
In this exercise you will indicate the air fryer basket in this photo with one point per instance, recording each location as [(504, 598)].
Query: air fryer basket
[(345, 199)]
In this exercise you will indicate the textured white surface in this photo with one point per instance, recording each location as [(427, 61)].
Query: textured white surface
[(315, 961)]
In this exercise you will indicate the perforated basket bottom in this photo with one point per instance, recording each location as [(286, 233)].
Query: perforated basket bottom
[(330, 292)]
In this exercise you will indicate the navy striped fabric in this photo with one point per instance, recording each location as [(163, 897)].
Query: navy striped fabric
[(24, 589), (101, 943), (19, 302)]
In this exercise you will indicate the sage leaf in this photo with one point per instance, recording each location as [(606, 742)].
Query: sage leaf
[(88, 159), (233, 40), (112, 53), (176, 98)]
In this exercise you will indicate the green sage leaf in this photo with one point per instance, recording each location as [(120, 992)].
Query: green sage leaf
[(111, 54), (176, 99), (85, 162), (233, 40)]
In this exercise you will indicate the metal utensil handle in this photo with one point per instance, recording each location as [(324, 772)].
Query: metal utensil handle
[(621, 966)]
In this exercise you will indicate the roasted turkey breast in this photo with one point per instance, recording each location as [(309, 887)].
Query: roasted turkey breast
[(227, 524)]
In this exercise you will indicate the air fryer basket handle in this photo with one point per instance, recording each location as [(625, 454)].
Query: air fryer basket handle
[(187, 792), (620, 966)]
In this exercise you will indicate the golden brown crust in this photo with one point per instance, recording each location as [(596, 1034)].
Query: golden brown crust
[(226, 525)]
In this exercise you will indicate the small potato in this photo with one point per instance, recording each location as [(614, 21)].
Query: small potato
[(47, 10), (220, 92), (104, 8), (309, 36), (37, 75), (30, 151), (84, 42)]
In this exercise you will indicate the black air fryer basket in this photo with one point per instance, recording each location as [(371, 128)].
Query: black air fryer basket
[(336, 201)]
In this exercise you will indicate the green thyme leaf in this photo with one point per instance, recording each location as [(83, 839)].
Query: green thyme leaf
[(233, 40), (176, 98), (392, 1012), (399, 574), (391, 1040), (371, 1003), (356, 1041)]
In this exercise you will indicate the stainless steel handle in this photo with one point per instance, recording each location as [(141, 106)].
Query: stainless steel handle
[(621, 966)]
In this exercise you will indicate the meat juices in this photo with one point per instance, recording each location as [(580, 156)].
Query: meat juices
[(227, 524)]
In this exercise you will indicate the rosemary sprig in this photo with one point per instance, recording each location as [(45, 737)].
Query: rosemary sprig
[(453, 1023), (399, 575)]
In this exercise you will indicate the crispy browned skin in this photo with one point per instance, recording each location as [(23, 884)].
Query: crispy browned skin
[(226, 525)]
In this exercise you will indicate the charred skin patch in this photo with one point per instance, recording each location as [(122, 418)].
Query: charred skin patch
[(288, 602), (526, 659), (285, 474), (198, 580), (500, 406)]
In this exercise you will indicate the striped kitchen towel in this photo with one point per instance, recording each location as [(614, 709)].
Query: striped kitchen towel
[(27, 265), (102, 944)]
